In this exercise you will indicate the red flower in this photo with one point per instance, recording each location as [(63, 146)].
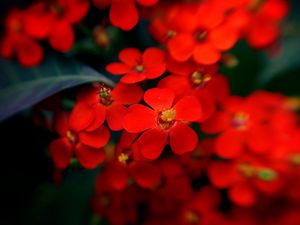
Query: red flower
[(123, 13), (95, 104), (242, 124), (245, 179), (138, 67), (85, 145), (127, 164), (196, 30), (17, 41), (54, 20), (164, 120), (188, 78)]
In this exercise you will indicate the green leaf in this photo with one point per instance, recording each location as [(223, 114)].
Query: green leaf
[(288, 59), (21, 88)]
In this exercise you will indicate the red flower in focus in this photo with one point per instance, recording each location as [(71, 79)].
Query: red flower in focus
[(138, 67), (17, 41), (54, 20), (245, 178), (95, 104), (85, 145), (123, 13), (128, 164), (165, 120), (188, 78)]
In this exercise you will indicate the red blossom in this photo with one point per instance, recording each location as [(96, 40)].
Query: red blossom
[(165, 120), (138, 67)]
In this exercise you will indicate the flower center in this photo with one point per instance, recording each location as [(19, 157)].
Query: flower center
[(254, 5), (123, 158), (104, 94), (192, 217), (295, 159), (199, 79), (15, 26), (166, 118), (267, 174), (247, 170), (72, 137), (126, 156), (139, 68), (171, 33), (201, 35), (240, 120)]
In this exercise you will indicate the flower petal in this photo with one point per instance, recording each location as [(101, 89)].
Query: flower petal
[(62, 36), (61, 151), (152, 142), (96, 139), (242, 194), (117, 68), (159, 98), (153, 56), (127, 93), (222, 174), (123, 14), (118, 176), (130, 56), (133, 77), (81, 117), (181, 47), (145, 174), (206, 54), (139, 118), (183, 138), (229, 144), (115, 115), (89, 157), (188, 109)]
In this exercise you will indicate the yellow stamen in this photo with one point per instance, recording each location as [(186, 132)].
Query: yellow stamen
[(168, 115), (139, 68), (123, 158)]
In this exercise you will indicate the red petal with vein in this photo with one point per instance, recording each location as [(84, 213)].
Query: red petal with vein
[(99, 117), (183, 138), (118, 176), (130, 56), (61, 151), (181, 47), (217, 123), (159, 98), (127, 93), (96, 139), (242, 194), (188, 109), (206, 54), (229, 144), (81, 117), (123, 14), (222, 174), (77, 10), (145, 174), (153, 56), (29, 52), (133, 77), (115, 115), (147, 2), (139, 118), (118, 68), (89, 157), (152, 142), (62, 36), (223, 37)]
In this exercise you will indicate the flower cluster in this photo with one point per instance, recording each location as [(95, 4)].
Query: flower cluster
[(43, 20), (183, 150)]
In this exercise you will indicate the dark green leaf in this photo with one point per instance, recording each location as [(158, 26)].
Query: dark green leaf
[(21, 88)]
